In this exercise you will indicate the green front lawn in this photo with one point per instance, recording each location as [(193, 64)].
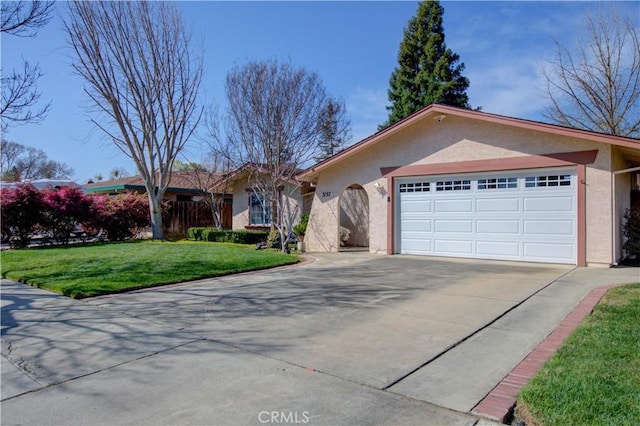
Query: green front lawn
[(84, 271), (594, 378)]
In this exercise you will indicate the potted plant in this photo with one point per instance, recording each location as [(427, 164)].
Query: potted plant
[(300, 229)]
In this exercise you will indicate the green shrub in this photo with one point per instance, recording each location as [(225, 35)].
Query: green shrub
[(195, 233), (300, 228), (226, 236), (631, 230), (273, 239)]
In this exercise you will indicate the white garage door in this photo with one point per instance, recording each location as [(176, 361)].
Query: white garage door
[(530, 215)]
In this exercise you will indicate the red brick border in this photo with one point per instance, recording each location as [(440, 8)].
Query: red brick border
[(498, 404)]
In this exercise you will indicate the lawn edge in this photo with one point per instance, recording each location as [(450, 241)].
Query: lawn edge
[(302, 260), (499, 403)]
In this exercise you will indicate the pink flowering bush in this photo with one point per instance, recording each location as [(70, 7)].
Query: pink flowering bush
[(21, 211), (57, 213), (121, 217), (65, 209)]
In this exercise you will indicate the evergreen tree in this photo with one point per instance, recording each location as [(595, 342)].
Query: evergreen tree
[(334, 127), (427, 71)]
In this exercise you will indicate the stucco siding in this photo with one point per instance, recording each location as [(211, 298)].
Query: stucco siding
[(292, 201), (456, 139), (599, 209), (240, 207), (292, 205), (354, 216)]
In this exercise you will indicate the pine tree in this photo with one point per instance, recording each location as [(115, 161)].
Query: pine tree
[(334, 127), (427, 71)]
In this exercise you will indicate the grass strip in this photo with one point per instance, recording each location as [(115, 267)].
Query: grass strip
[(594, 378), (85, 271)]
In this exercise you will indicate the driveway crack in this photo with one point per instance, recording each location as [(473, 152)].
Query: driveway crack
[(470, 335)]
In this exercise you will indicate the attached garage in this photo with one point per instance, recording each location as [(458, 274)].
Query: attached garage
[(453, 182), (529, 215)]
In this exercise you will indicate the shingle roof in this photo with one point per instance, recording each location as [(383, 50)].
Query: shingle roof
[(180, 180)]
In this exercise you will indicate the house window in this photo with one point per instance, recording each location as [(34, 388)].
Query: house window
[(498, 183), (453, 185), (546, 181), (414, 187), (259, 210)]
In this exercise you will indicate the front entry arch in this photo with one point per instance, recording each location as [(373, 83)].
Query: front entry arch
[(353, 229)]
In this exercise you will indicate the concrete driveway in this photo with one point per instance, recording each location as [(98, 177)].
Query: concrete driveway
[(349, 338)]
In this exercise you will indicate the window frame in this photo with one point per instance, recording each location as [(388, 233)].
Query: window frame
[(497, 183), (265, 213), (453, 185)]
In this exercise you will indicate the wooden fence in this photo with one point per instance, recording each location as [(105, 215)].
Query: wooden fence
[(183, 215)]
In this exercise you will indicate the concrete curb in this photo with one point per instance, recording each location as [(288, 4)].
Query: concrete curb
[(498, 405)]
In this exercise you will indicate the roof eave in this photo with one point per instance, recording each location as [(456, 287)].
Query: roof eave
[(312, 171)]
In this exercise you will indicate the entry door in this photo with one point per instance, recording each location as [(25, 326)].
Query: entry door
[(526, 215)]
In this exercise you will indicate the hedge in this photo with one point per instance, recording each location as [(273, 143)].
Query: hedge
[(227, 236)]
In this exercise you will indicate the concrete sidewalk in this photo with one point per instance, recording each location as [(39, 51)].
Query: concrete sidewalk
[(349, 339)]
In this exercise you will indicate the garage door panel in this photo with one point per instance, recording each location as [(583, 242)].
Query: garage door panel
[(549, 204), (498, 248), (548, 227), (500, 227), (492, 205), (549, 250), (417, 246), (417, 205), (456, 226), (416, 225), (457, 247), (454, 206), (528, 215)]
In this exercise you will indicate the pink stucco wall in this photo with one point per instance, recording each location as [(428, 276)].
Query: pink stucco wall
[(457, 139)]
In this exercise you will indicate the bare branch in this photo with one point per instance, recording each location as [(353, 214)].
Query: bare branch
[(273, 130), (19, 89), (143, 79), (19, 94), (596, 85), (24, 19)]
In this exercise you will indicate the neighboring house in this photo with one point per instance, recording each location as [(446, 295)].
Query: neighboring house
[(42, 183), (184, 194), (250, 211), (454, 182), (181, 188)]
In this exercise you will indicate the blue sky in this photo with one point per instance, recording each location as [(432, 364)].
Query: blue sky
[(351, 45)]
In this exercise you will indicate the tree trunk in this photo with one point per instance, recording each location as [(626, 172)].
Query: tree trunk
[(156, 218), (216, 212)]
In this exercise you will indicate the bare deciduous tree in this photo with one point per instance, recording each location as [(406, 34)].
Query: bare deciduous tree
[(22, 18), (19, 94), (20, 162), (143, 79), (10, 153), (19, 88), (272, 130), (596, 84), (118, 172)]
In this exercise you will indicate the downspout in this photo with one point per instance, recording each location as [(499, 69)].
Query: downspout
[(614, 222)]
